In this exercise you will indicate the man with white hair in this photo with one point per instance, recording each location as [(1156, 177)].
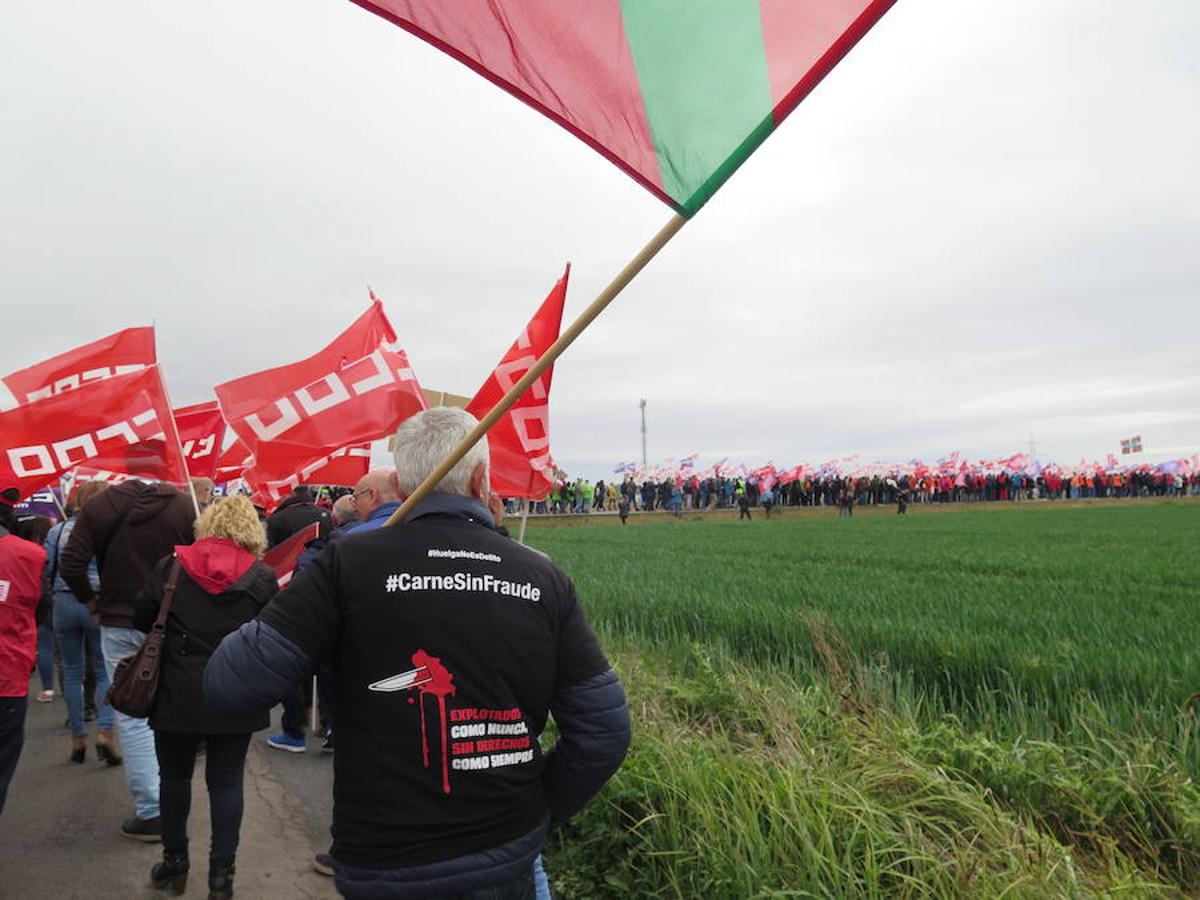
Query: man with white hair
[(204, 490), (343, 512), (451, 646)]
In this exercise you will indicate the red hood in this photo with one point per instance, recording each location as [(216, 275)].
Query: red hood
[(215, 563)]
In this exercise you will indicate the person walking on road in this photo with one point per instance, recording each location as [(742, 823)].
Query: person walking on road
[(21, 564), (78, 638), (297, 510), (452, 645), (373, 499), (127, 529), (34, 528), (219, 584), (767, 499)]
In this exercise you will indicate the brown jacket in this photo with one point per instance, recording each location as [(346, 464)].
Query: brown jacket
[(156, 518)]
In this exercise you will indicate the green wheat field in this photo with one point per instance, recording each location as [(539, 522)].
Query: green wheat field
[(967, 701)]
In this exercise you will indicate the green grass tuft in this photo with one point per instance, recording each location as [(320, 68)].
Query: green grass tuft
[(971, 702)]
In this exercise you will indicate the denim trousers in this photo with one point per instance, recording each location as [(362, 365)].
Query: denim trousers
[(137, 740), (77, 633), (45, 656), (521, 888), (12, 739), (224, 765), (541, 884)]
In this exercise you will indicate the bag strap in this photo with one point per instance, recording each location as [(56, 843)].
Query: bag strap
[(160, 624), (57, 553)]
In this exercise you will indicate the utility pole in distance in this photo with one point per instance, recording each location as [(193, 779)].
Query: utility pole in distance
[(642, 405)]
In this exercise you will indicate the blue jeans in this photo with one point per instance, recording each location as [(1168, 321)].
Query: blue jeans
[(45, 656), (137, 740), (75, 630), (541, 884), (364, 884)]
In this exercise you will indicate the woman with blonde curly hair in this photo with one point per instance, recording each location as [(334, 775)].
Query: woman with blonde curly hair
[(220, 583)]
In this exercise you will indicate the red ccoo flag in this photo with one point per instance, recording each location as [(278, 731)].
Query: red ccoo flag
[(201, 430), (342, 467), (116, 424), (519, 442), (118, 354), (283, 556), (233, 462), (358, 388)]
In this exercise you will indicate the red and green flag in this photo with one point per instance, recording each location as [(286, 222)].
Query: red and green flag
[(677, 93)]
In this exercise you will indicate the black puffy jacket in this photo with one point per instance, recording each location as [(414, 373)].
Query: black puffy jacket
[(220, 587), (296, 511)]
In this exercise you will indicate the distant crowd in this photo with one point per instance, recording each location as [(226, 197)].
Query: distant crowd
[(678, 494)]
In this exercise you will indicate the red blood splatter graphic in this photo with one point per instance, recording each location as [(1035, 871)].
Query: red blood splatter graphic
[(438, 683)]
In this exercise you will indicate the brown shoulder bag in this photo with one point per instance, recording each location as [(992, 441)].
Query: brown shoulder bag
[(135, 679)]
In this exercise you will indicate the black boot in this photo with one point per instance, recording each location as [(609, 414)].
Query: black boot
[(220, 877), (172, 873)]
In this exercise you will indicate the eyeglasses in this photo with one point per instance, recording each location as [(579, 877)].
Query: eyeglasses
[(357, 494)]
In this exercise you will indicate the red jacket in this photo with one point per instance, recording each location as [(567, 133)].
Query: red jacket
[(21, 564)]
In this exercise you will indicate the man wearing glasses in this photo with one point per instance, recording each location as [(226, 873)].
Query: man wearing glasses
[(376, 497)]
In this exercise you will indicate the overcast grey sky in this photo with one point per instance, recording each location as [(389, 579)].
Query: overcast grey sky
[(984, 224)]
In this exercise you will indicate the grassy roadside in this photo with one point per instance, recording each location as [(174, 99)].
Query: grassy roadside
[(978, 702), (745, 785)]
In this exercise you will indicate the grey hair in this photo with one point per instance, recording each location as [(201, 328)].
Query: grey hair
[(343, 510), (427, 438)]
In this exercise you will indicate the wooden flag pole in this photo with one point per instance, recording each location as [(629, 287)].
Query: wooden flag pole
[(62, 512), (162, 381), (524, 521), (547, 359), (174, 432)]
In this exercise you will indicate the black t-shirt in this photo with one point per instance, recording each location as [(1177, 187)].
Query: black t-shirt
[(448, 642)]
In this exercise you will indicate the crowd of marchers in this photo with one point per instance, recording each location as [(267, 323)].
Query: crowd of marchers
[(694, 493), (422, 807)]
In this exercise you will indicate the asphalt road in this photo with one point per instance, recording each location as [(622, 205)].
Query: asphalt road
[(60, 831)]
